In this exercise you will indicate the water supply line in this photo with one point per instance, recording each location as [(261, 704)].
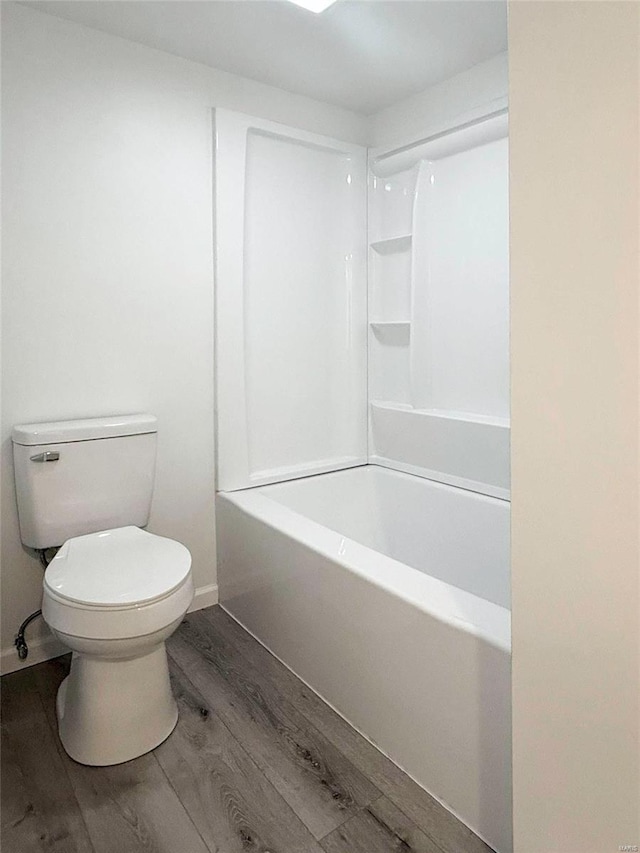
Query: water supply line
[(20, 643)]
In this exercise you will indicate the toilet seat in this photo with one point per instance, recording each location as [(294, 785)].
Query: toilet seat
[(117, 584), (119, 568)]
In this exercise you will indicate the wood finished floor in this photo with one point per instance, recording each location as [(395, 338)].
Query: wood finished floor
[(257, 764)]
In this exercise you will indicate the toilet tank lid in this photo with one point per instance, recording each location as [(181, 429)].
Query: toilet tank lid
[(62, 432)]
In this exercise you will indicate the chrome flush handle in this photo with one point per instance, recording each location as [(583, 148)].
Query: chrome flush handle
[(48, 456)]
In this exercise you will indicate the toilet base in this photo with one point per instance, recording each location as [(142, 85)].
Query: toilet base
[(111, 711)]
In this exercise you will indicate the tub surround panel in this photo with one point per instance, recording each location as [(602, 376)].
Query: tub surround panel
[(468, 451), (291, 302), (439, 305), (460, 304), (292, 391)]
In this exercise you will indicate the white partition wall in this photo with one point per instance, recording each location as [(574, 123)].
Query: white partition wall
[(439, 307), (575, 244), (291, 302)]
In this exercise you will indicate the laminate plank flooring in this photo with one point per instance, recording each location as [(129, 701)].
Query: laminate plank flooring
[(378, 828), (39, 808), (19, 699), (229, 799), (450, 834), (258, 763), (322, 787), (132, 806)]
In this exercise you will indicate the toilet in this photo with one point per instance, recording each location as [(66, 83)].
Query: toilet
[(114, 592)]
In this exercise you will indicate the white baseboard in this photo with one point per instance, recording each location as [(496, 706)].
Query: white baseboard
[(40, 649), (205, 596), (45, 648)]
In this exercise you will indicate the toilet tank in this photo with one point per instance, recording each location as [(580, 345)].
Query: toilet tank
[(75, 477)]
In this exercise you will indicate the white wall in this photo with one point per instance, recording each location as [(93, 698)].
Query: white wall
[(440, 106), (574, 146), (108, 259)]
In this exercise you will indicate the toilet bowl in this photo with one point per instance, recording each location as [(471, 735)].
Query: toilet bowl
[(114, 597)]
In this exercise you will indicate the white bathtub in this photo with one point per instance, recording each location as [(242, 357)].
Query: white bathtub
[(388, 594)]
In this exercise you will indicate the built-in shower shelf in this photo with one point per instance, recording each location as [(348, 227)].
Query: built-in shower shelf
[(391, 245), (448, 414), (390, 324), (392, 333)]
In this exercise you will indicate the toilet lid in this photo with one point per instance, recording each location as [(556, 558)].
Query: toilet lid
[(117, 568)]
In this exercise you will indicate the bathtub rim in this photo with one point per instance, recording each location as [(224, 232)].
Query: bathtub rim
[(438, 599)]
